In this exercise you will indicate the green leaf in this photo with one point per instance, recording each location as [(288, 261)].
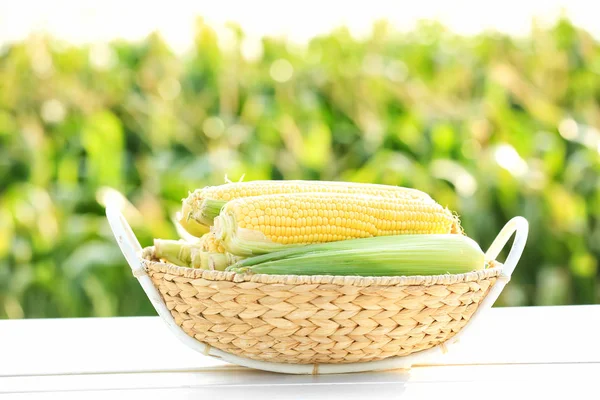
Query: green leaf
[(102, 139)]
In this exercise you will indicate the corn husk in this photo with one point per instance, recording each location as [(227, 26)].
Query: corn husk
[(399, 255)]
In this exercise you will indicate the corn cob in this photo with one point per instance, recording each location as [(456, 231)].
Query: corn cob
[(262, 224), (201, 206), (377, 256)]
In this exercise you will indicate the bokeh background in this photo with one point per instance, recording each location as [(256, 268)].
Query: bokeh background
[(492, 124)]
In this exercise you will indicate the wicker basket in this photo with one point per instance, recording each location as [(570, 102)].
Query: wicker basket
[(317, 324)]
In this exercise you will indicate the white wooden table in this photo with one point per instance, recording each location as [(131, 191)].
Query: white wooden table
[(512, 352)]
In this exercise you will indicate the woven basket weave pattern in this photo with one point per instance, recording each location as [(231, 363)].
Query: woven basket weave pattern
[(307, 320)]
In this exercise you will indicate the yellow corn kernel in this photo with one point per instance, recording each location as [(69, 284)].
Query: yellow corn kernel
[(211, 244)]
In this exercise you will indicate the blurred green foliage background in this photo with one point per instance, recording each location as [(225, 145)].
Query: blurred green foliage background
[(492, 126)]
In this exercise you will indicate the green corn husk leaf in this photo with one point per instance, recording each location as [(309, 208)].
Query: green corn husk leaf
[(198, 226), (200, 260), (209, 210), (220, 261), (400, 255), (196, 222), (186, 254), (178, 252)]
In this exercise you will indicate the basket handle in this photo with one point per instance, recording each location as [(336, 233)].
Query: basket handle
[(520, 227), (126, 239)]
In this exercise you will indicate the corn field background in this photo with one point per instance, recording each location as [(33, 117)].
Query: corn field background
[(493, 126)]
